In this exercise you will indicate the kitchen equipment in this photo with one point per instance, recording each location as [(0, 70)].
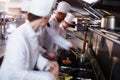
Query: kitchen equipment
[(82, 54), (94, 23), (64, 76), (82, 71), (68, 58), (108, 22), (76, 70)]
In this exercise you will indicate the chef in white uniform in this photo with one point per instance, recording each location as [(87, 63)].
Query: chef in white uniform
[(62, 30), (60, 13), (49, 38), (65, 24), (53, 37), (23, 52)]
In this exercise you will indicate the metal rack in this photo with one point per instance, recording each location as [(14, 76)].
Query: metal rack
[(105, 36)]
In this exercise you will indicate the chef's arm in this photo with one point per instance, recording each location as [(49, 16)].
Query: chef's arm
[(46, 54), (60, 41)]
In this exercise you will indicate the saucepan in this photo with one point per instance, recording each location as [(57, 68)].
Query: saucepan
[(108, 22)]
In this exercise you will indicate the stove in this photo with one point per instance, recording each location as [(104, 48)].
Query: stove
[(72, 69)]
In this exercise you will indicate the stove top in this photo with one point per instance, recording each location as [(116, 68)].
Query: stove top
[(82, 71), (72, 68)]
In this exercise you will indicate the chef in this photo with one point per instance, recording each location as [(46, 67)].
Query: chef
[(67, 22), (53, 37), (62, 30), (23, 52), (60, 13)]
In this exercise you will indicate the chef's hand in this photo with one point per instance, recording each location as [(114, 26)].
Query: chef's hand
[(54, 68), (50, 55), (74, 46)]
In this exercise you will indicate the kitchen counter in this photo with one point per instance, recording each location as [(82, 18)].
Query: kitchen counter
[(76, 68), (106, 47)]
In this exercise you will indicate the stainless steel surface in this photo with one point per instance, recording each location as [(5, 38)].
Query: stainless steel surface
[(89, 69), (96, 67), (108, 22), (111, 33), (111, 22), (81, 6), (115, 61), (91, 13), (89, 9), (105, 47), (105, 36), (94, 22)]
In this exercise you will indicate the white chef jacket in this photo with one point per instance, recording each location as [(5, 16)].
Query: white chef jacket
[(22, 54), (62, 31), (53, 22), (50, 38)]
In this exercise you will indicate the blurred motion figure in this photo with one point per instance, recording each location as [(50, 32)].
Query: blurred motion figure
[(26, 53), (54, 21), (67, 22), (59, 15)]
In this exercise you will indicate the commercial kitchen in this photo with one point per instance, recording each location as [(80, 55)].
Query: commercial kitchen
[(94, 31)]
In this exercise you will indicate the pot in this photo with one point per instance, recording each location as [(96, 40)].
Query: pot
[(108, 22)]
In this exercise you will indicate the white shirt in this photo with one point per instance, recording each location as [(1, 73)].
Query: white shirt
[(53, 22), (22, 54), (53, 38), (50, 37), (62, 31)]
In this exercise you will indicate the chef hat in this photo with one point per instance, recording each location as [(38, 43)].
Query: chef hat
[(63, 7), (25, 5), (69, 18), (42, 8)]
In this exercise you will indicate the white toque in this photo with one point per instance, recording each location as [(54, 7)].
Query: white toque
[(25, 5), (42, 8), (69, 18), (63, 7)]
